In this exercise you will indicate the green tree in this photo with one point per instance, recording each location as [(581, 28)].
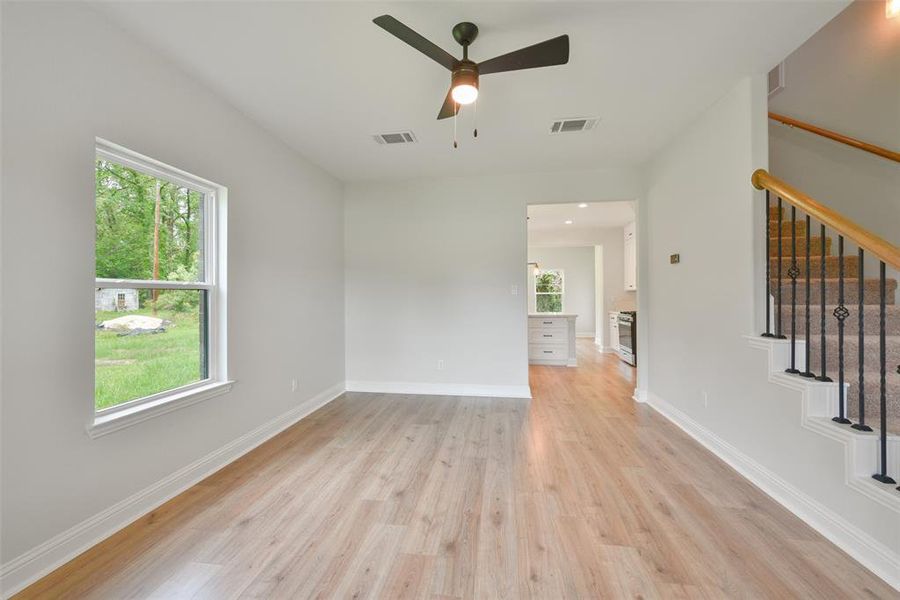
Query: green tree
[(126, 219)]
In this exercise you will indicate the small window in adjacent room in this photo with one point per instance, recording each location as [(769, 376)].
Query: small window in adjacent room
[(548, 291), (158, 306)]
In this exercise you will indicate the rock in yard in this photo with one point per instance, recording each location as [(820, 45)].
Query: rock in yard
[(133, 322)]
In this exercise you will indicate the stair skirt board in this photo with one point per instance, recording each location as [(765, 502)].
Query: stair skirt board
[(869, 552)]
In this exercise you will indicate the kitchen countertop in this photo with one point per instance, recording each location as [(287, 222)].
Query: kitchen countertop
[(544, 315)]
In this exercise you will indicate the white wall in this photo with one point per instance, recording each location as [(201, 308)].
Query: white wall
[(577, 264), (845, 78), (69, 76), (699, 202), (430, 265)]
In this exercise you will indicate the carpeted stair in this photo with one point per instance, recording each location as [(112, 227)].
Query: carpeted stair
[(871, 315)]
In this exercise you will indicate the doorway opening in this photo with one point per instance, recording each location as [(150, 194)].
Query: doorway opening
[(582, 282)]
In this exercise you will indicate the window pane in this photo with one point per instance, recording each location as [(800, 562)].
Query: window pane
[(144, 346), (549, 302), (548, 281), (147, 228)]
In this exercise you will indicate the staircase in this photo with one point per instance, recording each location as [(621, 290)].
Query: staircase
[(833, 331), (826, 246)]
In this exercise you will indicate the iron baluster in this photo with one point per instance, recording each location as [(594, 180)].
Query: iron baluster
[(768, 332), (793, 272), (882, 475), (841, 313), (778, 323), (862, 351), (807, 346), (822, 273)]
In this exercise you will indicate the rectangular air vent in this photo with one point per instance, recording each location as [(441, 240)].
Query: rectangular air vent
[(573, 125), (395, 137)]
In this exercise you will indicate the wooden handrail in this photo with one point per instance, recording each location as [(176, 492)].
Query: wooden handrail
[(838, 137), (878, 247)]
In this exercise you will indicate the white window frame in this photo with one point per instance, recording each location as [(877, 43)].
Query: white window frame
[(128, 413), (562, 289)]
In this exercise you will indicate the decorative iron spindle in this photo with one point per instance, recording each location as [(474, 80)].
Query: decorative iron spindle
[(807, 346), (768, 332), (822, 272), (882, 475), (840, 313), (778, 327), (793, 272), (861, 392)]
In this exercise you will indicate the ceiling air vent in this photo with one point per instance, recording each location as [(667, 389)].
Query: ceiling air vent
[(395, 138), (573, 125)]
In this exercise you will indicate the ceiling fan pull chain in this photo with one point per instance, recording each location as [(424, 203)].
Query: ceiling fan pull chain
[(455, 116), (475, 117)]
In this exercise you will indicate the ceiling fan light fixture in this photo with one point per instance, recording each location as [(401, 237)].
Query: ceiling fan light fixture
[(464, 83), (465, 93)]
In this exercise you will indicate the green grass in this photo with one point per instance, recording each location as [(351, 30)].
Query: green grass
[(135, 366)]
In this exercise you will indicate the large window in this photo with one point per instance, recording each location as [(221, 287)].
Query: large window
[(548, 291), (158, 292)]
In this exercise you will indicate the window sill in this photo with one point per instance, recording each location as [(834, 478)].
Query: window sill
[(104, 424)]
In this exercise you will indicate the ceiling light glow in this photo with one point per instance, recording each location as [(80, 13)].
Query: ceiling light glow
[(582, 205), (569, 222), (465, 94)]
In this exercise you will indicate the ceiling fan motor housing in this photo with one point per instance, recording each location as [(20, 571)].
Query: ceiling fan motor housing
[(465, 33), (465, 73)]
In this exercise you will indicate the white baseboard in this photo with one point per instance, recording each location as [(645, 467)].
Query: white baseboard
[(440, 389), (871, 553), (585, 334), (27, 568), (639, 395)]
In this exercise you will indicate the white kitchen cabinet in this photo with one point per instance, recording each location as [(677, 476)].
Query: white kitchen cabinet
[(630, 257), (551, 339), (614, 331)]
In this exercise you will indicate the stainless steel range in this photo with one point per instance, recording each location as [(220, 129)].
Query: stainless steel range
[(628, 337)]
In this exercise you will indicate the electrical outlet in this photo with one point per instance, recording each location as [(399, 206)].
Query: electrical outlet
[(440, 365), (294, 385)]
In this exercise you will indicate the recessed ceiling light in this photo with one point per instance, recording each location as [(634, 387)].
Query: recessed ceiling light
[(582, 205), (569, 222)]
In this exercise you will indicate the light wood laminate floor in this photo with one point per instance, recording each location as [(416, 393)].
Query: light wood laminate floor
[(578, 493)]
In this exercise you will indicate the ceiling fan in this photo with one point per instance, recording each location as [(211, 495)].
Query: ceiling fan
[(464, 73)]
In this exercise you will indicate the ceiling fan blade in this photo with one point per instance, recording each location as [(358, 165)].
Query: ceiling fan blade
[(429, 49), (449, 108), (546, 54)]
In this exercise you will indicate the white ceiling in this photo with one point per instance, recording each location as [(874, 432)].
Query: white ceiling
[(543, 217), (323, 77)]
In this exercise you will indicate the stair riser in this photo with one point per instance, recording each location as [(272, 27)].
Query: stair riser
[(851, 323), (851, 355), (832, 267), (815, 246), (800, 227), (873, 403), (870, 295)]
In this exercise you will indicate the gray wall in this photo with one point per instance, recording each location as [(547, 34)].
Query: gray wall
[(845, 78), (69, 76), (697, 312), (430, 267)]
